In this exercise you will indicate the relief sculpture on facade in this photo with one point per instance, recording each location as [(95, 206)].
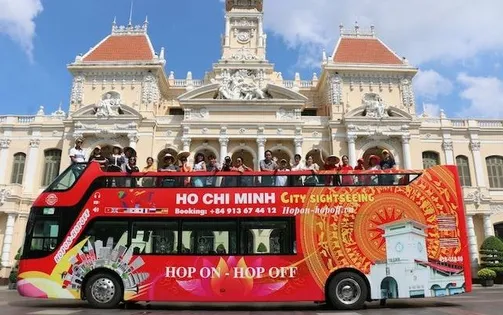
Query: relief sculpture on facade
[(110, 106), (240, 86), (374, 106)]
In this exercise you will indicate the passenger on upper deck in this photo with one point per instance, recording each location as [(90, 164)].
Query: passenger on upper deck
[(346, 179), (199, 166), (169, 166), (331, 164), (116, 160), (77, 154), (268, 165), (96, 156), (387, 163)]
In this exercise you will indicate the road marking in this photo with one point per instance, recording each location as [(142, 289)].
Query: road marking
[(55, 312), (4, 303), (352, 313)]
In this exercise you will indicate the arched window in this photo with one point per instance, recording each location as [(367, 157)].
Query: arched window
[(52, 161), (18, 168), (463, 170), (430, 159), (495, 171)]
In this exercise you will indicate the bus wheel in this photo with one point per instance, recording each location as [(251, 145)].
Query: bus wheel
[(103, 291), (347, 291)]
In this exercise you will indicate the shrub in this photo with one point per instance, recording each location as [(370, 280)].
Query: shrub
[(491, 253), (486, 274), (261, 248)]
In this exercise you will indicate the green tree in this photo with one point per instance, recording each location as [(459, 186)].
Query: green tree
[(261, 248), (491, 254)]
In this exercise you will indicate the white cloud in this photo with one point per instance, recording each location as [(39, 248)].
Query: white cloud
[(430, 84), (485, 95), (421, 30), (17, 21)]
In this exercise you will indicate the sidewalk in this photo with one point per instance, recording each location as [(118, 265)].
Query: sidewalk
[(494, 287)]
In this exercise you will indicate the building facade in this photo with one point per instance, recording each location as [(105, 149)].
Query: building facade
[(361, 103)]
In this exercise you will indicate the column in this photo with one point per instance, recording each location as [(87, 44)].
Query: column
[(472, 239), (407, 163), (227, 30), (352, 149), (7, 240), (224, 142), (477, 163), (488, 226), (449, 155), (298, 145), (186, 144), (261, 150), (4, 156), (133, 139), (31, 167)]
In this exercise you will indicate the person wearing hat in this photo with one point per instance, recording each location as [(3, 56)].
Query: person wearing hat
[(169, 166), (184, 165), (374, 162), (387, 163), (360, 167), (283, 167), (331, 164)]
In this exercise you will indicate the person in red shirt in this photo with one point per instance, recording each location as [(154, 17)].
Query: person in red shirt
[(331, 164), (346, 179), (360, 167)]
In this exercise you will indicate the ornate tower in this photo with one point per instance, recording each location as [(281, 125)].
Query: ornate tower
[(244, 38)]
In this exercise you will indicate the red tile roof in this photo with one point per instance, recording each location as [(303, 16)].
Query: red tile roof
[(121, 48), (365, 50)]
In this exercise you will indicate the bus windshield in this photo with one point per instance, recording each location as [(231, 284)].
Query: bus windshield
[(68, 178)]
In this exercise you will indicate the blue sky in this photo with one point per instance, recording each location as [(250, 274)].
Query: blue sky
[(454, 46)]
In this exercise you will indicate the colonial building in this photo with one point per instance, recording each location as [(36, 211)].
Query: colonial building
[(360, 103)]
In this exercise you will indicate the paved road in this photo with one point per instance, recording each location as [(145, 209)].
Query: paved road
[(482, 301)]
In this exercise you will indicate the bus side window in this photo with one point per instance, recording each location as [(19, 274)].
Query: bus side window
[(209, 238), (268, 236), (155, 237), (105, 235)]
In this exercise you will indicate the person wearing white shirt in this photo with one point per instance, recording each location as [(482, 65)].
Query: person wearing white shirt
[(77, 155), (281, 180)]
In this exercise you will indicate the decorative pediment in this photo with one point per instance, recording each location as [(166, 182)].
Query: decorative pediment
[(91, 111), (218, 91), (390, 112), (110, 106)]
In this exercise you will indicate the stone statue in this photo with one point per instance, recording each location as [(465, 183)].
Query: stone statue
[(374, 106), (108, 107), (240, 87)]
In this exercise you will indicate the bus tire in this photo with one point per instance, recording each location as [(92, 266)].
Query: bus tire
[(103, 290), (347, 291)]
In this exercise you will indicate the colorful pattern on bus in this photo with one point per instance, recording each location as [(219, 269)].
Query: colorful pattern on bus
[(408, 241)]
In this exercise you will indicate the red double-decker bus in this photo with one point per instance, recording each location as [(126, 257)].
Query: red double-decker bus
[(343, 238)]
